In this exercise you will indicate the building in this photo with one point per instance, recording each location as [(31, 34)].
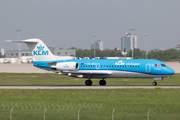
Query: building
[(61, 52), (55, 51), (15, 53), (128, 42), (98, 45), (177, 47)]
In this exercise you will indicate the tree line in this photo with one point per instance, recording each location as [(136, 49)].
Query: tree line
[(163, 55), (90, 53)]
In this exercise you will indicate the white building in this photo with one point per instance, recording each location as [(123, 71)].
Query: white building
[(177, 47), (98, 45), (128, 42)]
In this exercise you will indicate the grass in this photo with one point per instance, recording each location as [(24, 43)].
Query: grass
[(56, 79), (128, 103)]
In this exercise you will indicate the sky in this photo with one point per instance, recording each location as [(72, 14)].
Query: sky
[(72, 23)]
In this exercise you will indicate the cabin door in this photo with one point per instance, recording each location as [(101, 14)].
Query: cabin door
[(97, 66), (148, 68)]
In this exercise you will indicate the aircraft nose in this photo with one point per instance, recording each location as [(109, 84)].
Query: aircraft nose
[(171, 71)]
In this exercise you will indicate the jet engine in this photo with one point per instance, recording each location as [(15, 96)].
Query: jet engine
[(70, 66)]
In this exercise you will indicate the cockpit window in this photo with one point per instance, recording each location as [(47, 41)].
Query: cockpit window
[(157, 65), (163, 65)]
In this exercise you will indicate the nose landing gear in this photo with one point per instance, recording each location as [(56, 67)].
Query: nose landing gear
[(154, 83)]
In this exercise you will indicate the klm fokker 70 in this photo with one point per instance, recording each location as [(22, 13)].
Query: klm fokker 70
[(96, 68)]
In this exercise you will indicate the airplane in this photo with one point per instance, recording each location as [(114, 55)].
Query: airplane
[(96, 68)]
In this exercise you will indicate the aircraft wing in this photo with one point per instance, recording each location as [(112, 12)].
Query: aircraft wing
[(89, 72)]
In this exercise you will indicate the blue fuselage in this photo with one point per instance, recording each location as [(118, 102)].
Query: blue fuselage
[(149, 68)]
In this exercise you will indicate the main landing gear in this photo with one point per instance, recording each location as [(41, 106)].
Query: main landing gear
[(89, 82), (154, 83), (102, 82)]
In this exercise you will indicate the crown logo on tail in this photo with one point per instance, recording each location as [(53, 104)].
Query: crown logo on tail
[(40, 48)]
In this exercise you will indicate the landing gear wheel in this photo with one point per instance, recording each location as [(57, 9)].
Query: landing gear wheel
[(88, 82), (102, 82), (154, 83)]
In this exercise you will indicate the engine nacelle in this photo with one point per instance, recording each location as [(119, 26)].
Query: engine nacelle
[(66, 66)]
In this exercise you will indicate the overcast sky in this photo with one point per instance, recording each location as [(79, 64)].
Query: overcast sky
[(71, 23)]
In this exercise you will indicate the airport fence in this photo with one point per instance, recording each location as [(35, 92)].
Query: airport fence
[(16, 111), (61, 111)]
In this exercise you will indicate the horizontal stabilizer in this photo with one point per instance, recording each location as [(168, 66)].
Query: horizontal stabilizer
[(24, 41)]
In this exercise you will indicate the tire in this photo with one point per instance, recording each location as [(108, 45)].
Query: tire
[(88, 82), (154, 83), (102, 82)]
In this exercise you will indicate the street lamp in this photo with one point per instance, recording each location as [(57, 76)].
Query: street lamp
[(132, 41), (94, 45), (132, 30), (146, 44), (19, 43), (42, 37)]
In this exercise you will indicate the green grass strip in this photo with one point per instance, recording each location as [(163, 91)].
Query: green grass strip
[(128, 103), (56, 79)]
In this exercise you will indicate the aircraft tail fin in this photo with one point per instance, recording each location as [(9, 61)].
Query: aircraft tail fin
[(40, 51)]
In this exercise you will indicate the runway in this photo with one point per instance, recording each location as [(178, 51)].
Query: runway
[(89, 87)]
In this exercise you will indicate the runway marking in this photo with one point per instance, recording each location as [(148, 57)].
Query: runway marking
[(88, 87)]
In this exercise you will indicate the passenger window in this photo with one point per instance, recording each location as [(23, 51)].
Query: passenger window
[(109, 66)]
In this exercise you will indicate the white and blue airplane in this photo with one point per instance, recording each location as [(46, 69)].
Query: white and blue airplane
[(96, 68)]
